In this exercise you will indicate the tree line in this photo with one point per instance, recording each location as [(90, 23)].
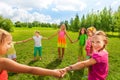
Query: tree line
[(105, 19)]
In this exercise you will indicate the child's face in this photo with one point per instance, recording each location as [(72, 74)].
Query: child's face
[(82, 31), (5, 45), (89, 33), (36, 34), (62, 27), (97, 43)]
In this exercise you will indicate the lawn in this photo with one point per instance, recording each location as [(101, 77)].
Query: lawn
[(50, 55)]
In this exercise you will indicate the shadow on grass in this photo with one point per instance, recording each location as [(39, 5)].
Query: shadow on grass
[(54, 64), (113, 36), (51, 65), (31, 62), (76, 75), (12, 73)]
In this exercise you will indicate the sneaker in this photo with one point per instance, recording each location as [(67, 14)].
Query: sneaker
[(40, 58)]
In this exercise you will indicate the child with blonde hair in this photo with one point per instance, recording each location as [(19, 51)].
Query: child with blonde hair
[(98, 61), (12, 66), (90, 32), (62, 34), (11, 53)]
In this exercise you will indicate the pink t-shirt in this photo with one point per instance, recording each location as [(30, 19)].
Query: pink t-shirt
[(3, 75), (61, 34), (99, 71), (88, 46)]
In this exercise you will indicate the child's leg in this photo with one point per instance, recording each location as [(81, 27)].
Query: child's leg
[(35, 52), (63, 50), (40, 52), (82, 53), (59, 53)]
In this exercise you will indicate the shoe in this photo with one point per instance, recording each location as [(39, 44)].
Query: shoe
[(40, 59)]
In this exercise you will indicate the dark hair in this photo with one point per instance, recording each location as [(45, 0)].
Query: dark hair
[(81, 30), (37, 32)]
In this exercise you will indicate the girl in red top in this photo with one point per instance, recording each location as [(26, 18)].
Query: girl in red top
[(12, 66)]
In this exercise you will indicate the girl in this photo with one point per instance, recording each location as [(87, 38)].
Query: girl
[(11, 53), (88, 47), (10, 65), (82, 39), (61, 40), (38, 46), (98, 61)]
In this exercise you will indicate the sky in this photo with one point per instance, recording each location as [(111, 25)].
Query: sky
[(51, 11)]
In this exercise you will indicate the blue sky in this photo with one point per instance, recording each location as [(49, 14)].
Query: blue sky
[(52, 11)]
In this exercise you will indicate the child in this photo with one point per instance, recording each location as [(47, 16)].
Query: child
[(82, 40), (61, 40), (88, 48), (11, 53), (38, 46), (98, 61), (10, 65)]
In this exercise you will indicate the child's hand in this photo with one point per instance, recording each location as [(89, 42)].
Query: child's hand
[(63, 72), (60, 73)]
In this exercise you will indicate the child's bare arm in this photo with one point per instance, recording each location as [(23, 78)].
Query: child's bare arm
[(82, 64), (75, 41), (68, 37), (28, 39), (10, 65), (18, 42), (53, 35), (45, 38)]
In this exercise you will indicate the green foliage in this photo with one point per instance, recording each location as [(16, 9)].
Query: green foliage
[(6, 24), (50, 55)]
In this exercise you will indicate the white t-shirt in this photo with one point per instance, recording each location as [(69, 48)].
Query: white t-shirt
[(37, 41)]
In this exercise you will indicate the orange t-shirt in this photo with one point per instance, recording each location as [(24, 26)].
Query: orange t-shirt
[(4, 75)]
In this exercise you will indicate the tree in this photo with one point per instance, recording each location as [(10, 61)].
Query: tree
[(76, 23), (6, 24)]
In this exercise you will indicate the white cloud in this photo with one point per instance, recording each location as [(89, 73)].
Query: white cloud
[(98, 3), (69, 5), (114, 3), (26, 4), (22, 14)]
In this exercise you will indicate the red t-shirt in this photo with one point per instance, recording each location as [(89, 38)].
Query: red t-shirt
[(4, 75)]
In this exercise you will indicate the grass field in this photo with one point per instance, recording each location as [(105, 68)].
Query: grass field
[(50, 55)]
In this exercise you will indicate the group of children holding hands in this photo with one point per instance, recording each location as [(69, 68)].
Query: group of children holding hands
[(93, 41)]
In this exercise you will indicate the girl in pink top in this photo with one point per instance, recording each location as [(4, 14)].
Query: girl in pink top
[(88, 47), (98, 61), (62, 34)]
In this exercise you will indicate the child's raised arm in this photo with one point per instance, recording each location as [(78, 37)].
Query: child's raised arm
[(10, 65), (53, 35), (45, 38), (28, 39)]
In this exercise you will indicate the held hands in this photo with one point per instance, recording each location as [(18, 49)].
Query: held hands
[(60, 73)]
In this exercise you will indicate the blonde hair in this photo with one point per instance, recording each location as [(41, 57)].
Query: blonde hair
[(92, 29), (104, 36), (3, 35), (64, 26)]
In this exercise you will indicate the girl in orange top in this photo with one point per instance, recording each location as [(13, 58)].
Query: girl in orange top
[(61, 40)]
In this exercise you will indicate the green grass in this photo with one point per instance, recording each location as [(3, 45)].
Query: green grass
[(50, 55)]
